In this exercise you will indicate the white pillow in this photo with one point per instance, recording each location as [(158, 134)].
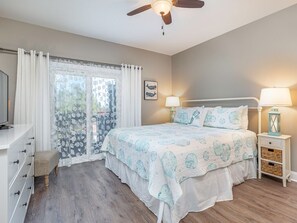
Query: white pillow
[(184, 115), (198, 117), (228, 118)]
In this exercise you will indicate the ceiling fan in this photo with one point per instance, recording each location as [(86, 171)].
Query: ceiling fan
[(163, 7)]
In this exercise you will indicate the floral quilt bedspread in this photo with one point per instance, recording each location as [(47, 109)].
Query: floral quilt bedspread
[(168, 154)]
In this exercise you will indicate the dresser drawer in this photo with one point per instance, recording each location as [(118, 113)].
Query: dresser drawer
[(272, 154), (272, 168), (12, 168), (23, 173), (15, 189), (271, 143), (14, 195), (22, 204), (15, 158), (18, 152)]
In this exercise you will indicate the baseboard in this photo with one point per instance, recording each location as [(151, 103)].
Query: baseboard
[(294, 176), (81, 159)]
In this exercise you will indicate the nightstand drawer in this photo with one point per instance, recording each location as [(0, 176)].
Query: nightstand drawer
[(271, 143), (272, 154), (272, 168)]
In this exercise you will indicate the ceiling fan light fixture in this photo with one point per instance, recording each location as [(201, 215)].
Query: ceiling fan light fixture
[(162, 7)]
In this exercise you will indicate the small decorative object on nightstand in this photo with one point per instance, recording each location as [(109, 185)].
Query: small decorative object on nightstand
[(274, 153), (172, 102)]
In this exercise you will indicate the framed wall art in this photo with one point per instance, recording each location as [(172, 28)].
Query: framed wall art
[(150, 90)]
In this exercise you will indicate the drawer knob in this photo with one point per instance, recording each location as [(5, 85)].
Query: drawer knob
[(16, 162), (25, 204), (29, 188), (33, 156), (24, 151), (29, 164), (31, 138), (269, 143), (28, 143), (25, 175), (17, 193)]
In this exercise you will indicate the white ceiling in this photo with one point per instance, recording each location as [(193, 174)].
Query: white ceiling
[(107, 20)]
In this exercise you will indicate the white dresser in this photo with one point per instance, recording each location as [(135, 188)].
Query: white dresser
[(17, 147)]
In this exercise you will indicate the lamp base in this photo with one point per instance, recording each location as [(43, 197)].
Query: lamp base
[(274, 122), (172, 114)]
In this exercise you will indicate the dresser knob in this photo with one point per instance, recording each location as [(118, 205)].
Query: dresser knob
[(29, 164), (16, 162), (24, 151), (29, 188), (28, 143), (17, 193), (25, 204), (31, 138), (25, 175)]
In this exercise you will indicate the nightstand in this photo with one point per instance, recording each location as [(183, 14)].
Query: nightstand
[(274, 154)]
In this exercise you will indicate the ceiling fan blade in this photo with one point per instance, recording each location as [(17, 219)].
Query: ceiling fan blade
[(188, 3), (167, 18), (139, 10)]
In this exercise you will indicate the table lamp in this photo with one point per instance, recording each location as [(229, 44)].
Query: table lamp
[(172, 102), (275, 97)]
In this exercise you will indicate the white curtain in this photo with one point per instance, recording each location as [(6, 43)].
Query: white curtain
[(131, 96), (32, 105)]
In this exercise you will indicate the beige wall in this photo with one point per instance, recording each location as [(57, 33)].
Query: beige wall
[(241, 62), (156, 66)]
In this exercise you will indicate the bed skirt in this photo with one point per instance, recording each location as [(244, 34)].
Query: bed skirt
[(199, 193)]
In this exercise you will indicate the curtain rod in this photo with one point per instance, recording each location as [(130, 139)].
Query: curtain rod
[(9, 51)]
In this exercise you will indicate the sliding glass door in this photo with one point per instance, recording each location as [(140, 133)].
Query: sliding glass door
[(70, 117), (84, 108), (104, 111)]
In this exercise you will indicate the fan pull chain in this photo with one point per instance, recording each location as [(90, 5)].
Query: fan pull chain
[(162, 28)]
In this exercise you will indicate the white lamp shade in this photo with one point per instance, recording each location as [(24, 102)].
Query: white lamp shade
[(172, 101), (161, 6), (275, 97)]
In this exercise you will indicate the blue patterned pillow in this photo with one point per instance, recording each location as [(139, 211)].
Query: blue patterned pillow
[(184, 115), (228, 118)]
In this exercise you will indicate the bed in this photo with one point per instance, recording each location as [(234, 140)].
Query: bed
[(176, 168)]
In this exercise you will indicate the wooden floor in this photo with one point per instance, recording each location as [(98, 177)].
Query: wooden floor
[(89, 193)]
